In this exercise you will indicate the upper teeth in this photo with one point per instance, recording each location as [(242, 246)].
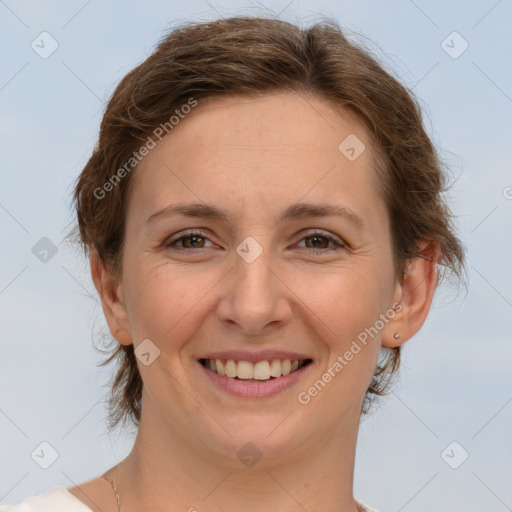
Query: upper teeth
[(262, 370)]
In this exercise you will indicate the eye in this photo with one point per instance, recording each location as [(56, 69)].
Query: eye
[(319, 240), (316, 242), (189, 240)]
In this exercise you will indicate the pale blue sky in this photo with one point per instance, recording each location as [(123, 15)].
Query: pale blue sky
[(456, 383)]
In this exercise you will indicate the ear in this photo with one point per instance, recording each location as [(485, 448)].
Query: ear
[(112, 300), (414, 292)]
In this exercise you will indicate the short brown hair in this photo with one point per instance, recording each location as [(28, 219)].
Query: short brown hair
[(250, 55)]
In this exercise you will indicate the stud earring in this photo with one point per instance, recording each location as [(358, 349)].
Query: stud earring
[(396, 335)]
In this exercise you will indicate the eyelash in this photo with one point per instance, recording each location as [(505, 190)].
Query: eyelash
[(187, 234)]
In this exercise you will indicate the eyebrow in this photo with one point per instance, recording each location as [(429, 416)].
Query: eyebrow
[(295, 211)]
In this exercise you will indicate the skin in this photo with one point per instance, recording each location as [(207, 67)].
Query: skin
[(253, 156)]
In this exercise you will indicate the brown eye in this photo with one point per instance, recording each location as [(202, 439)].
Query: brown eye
[(318, 242), (194, 241), (191, 240)]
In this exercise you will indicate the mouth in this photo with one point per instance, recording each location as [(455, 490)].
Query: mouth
[(254, 375), (260, 371)]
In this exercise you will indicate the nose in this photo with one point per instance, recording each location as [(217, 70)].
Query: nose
[(255, 296)]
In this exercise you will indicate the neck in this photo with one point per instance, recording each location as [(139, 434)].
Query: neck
[(167, 470)]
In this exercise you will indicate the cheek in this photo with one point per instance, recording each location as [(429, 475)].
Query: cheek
[(346, 301), (164, 299), (351, 310), (349, 304)]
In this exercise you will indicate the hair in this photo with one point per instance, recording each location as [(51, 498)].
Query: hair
[(251, 55)]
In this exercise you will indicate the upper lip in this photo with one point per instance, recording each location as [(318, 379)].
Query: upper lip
[(254, 357)]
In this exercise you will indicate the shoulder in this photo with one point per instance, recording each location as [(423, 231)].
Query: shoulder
[(362, 507), (56, 499)]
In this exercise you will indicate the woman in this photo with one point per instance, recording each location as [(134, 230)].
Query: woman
[(264, 219)]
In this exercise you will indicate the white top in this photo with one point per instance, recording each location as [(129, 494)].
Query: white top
[(56, 499), (59, 499)]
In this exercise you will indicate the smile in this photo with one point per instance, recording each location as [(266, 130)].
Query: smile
[(261, 370), (261, 379)]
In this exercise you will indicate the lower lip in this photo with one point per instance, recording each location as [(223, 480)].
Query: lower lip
[(251, 389)]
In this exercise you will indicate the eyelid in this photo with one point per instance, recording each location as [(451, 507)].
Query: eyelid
[(323, 232)]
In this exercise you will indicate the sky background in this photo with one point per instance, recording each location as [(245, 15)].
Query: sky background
[(456, 380)]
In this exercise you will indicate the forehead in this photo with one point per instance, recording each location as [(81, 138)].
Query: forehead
[(275, 148), (284, 121)]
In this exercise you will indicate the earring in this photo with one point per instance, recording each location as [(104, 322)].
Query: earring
[(396, 335)]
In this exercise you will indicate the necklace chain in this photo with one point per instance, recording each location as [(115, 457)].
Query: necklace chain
[(119, 503), (115, 492)]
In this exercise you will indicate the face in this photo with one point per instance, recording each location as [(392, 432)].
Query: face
[(250, 276)]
